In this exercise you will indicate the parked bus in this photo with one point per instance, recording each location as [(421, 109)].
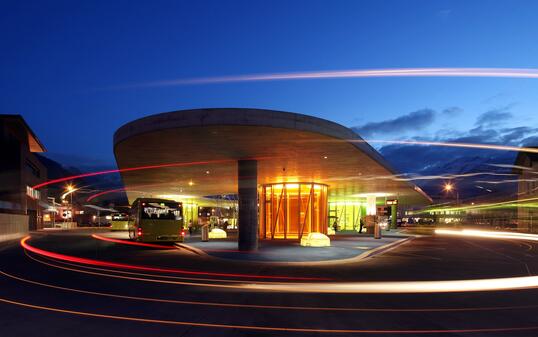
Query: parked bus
[(119, 222), (156, 220)]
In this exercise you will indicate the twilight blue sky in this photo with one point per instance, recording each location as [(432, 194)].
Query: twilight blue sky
[(62, 61)]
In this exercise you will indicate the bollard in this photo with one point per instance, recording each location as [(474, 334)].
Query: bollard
[(205, 233), (377, 230)]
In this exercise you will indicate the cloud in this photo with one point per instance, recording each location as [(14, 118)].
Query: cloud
[(494, 116), (452, 111), (432, 160), (415, 120), (516, 135), (530, 141), (444, 13)]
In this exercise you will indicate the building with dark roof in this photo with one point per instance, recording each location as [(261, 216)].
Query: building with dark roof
[(21, 206)]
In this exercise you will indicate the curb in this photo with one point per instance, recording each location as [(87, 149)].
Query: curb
[(192, 249), (384, 248), (363, 256)]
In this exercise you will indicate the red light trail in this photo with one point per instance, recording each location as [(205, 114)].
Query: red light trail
[(86, 261), (93, 196), (129, 169), (132, 243)]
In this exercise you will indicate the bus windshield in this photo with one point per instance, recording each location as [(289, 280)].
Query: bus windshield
[(161, 211)]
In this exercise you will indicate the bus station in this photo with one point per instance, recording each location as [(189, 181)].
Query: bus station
[(276, 175)]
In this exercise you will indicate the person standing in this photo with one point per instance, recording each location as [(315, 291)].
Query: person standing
[(190, 227)]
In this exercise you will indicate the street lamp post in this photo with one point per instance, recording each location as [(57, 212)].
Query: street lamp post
[(71, 190)]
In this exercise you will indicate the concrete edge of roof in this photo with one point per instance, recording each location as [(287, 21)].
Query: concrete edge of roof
[(31, 133), (250, 117)]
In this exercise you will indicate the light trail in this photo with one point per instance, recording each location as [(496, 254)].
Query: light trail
[(488, 234), (132, 243), (351, 73), (388, 287), (511, 166), (507, 181), (528, 202), (414, 177), (269, 307), (145, 277), (404, 287), (129, 169), (385, 287), (450, 144), (260, 327), (139, 168), (93, 196), (122, 189), (72, 190), (86, 261)]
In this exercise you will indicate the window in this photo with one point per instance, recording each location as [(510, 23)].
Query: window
[(34, 194), (291, 210), (161, 211)]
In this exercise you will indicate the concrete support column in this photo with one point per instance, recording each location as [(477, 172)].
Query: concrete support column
[(393, 216), (372, 224), (247, 174)]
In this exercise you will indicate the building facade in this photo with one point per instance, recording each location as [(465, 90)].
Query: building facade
[(527, 191), (21, 206)]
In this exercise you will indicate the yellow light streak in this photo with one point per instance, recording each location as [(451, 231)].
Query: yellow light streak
[(70, 189), (257, 327), (488, 234), (260, 306), (520, 202)]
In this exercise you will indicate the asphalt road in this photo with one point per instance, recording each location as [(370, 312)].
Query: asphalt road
[(196, 296)]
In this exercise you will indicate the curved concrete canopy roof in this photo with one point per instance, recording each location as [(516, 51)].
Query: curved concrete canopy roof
[(290, 147)]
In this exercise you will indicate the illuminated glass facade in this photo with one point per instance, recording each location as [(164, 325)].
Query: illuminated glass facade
[(190, 213), (291, 210), (346, 214)]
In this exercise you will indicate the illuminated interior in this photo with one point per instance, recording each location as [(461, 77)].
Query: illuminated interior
[(291, 210), (346, 214), (190, 212)]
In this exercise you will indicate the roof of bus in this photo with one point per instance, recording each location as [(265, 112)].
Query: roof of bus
[(154, 200)]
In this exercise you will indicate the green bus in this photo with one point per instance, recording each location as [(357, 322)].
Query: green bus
[(119, 222), (156, 220)]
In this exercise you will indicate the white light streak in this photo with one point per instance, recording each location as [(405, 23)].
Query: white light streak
[(496, 284), (451, 144), (488, 234), (352, 73)]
